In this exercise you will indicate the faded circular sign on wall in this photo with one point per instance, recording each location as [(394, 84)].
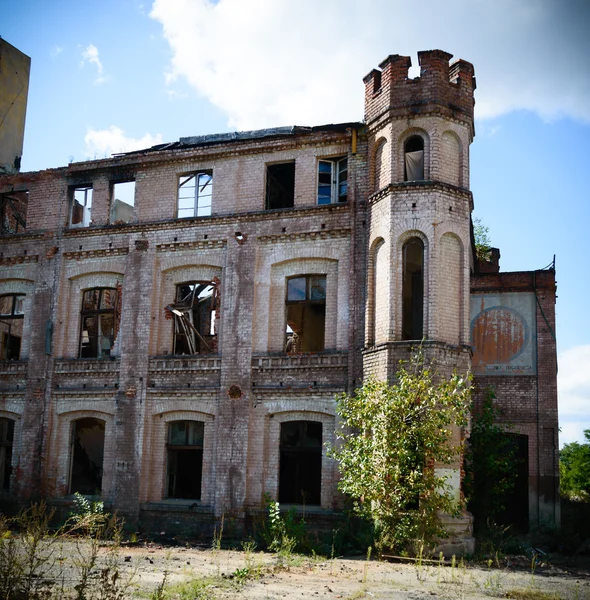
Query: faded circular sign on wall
[(502, 334)]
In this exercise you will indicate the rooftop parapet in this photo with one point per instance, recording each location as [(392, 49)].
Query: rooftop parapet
[(441, 87)]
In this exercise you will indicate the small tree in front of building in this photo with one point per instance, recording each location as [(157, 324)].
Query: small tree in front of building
[(391, 438)]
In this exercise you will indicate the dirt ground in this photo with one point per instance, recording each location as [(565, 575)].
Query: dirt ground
[(226, 574)]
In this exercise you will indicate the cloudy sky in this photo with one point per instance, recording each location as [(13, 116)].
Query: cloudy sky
[(115, 75)]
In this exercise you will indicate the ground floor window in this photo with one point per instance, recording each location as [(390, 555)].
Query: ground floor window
[(300, 477), (185, 459), (87, 455), (6, 441)]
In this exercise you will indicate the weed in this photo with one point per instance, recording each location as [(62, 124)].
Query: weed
[(526, 594)]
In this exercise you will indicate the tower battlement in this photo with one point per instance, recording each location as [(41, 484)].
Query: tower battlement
[(447, 88)]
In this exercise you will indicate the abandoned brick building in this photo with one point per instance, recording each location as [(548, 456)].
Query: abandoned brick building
[(176, 321)]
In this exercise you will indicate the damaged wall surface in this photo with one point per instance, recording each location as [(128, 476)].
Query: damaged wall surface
[(176, 321)]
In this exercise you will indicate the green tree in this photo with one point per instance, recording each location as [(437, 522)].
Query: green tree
[(574, 469), (481, 233), (392, 436)]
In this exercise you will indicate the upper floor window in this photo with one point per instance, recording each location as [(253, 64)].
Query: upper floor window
[(185, 459), (414, 159), (122, 202), (100, 311), (11, 325), (333, 180), (280, 185), (194, 194), (413, 290), (195, 317), (13, 212), (306, 313), (81, 207)]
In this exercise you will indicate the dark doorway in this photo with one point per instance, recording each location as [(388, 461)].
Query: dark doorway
[(87, 456), (516, 501), (413, 290), (185, 459), (300, 478)]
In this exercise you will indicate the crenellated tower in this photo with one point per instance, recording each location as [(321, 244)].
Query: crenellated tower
[(419, 243)]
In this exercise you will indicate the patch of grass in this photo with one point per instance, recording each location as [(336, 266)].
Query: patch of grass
[(199, 588), (528, 594)]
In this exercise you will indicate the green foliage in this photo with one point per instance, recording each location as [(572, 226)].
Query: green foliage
[(282, 532), (392, 437), (482, 240), (574, 470), (490, 471)]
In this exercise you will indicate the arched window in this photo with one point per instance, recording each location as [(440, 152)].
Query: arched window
[(413, 290), (185, 459), (100, 311), (6, 441), (11, 325), (300, 476), (414, 159), (306, 313), (195, 315), (87, 455)]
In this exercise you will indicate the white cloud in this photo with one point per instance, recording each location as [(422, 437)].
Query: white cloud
[(90, 54), (276, 62), (573, 384), (56, 51), (104, 142)]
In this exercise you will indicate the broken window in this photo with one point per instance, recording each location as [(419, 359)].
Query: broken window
[(194, 195), (100, 322), (122, 202), (81, 206), (306, 313), (6, 441), (280, 185), (185, 459), (87, 454), (414, 159), (332, 180), (11, 325), (196, 314), (300, 477), (13, 212), (413, 289)]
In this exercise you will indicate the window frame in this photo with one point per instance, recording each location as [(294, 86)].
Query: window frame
[(186, 447), (267, 189), (408, 141), (290, 346), (86, 207), (12, 316), (336, 182), (197, 206), (113, 185), (115, 311), (409, 301)]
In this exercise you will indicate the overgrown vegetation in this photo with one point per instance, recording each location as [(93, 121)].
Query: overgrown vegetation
[(391, 440), (574, 470), (483, 244)]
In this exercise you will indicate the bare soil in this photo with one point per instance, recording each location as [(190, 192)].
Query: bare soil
[(257, 576)]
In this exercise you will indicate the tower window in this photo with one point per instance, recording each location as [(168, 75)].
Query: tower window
[(413, 290), (11, 326), (300, 477), (185, 459), (280, 185), (414, 159), (333, 180), (306, 313)]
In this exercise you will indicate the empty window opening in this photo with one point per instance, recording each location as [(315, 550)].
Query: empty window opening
[(196, 314), (87, 455), (414, 159), (194, 195), (100, 322), (6, 441), (80, 215), (413, 290), (185, 459), (13, 212), (280, 185), (333, 180), (306, 313), (122, 202), (300, 477), (11, 325)]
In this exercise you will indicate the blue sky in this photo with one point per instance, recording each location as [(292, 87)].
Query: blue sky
[(114, 75)]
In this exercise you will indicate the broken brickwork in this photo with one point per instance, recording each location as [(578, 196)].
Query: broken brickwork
[(188, 312)]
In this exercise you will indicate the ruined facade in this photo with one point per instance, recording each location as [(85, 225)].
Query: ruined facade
[(176, 321)]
